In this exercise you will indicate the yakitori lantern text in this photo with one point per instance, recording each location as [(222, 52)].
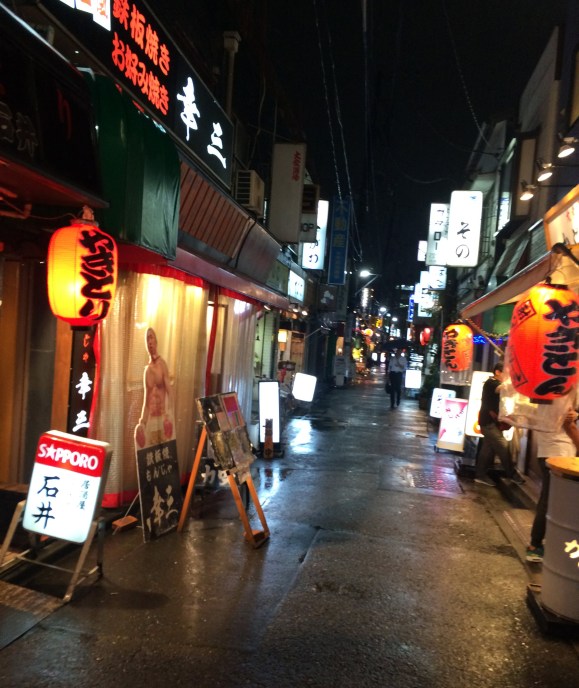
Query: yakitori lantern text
[(456, 356), (82, 273), (542, 350)]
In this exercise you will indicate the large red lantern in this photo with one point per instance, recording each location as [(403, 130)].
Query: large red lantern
[(82, 273), (456, 356), (543, 339)]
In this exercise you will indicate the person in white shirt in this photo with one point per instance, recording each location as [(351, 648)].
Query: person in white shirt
[(565, 442), (396, 368)]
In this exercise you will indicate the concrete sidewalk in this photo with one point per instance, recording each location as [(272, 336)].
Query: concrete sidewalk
[(384, 568)]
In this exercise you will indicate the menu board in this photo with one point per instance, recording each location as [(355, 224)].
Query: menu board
[(227, 433)]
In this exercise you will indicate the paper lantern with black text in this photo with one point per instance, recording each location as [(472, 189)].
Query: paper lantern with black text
[(456, 355), (81, 273), (542, 350)]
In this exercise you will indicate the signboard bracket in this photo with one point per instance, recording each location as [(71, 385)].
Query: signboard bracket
[(79, 574)]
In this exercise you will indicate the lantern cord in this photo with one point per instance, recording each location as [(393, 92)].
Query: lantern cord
[(484, 334), (562, 248)]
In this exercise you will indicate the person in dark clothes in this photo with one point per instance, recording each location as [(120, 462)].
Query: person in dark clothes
[(396, 368), (494, 441)]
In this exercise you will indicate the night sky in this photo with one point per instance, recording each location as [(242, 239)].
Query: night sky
[(410, 104)]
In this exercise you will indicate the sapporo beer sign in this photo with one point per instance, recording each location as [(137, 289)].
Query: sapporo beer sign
[(543, 342), (66, 486)]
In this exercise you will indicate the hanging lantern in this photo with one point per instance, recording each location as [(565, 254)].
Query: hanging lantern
[(82, 273), (542, 350), (456, 356), (425, 336)]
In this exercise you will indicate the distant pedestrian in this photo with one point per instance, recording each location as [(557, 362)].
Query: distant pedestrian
[(494, 442), (564, 442), (397, 366)]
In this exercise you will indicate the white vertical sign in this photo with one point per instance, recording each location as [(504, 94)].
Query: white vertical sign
[(464, 224), (287, 185), (313, 254), (437, 234)]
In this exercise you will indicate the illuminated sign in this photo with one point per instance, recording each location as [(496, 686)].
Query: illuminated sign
[(296, 287), (66, 485), (437, 402), (437, 234), (452, 422), (287, 186), (474, 401), (313, 254), (304, 387), (131, 45), (464, 225), (341, 209), (437, 277), (269, 408), (562, 221)]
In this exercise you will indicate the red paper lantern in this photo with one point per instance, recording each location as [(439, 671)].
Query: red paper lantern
[(425, 336), (82, 273), (457, 348), (543, 341)]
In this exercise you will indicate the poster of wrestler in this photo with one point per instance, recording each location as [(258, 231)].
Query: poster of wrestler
[(156, 447)]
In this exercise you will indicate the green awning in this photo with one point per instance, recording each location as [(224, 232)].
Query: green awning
[(140, 172)]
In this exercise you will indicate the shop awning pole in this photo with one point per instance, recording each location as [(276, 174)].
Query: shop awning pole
[(470, 323)]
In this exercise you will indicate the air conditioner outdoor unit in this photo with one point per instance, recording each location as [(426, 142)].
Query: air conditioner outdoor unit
[(250, 191)]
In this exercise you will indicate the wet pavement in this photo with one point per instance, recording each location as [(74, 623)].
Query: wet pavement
[(384, 568)]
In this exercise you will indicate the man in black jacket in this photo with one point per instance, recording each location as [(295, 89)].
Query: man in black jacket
[(494, 441)]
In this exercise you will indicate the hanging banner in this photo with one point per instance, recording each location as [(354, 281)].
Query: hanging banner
[(339, 241), (464, 225)]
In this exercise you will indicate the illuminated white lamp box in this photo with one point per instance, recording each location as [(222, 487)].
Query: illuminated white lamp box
[(66, 487), (304, 387)]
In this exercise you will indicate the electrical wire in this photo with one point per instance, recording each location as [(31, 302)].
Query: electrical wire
[(356, 242), (461, 74)]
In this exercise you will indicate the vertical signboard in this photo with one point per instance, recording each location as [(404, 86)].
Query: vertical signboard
[(437, 234), (464, 225), (66, 486), (339, 241), (313, 254), (83, 377), (287, 185)]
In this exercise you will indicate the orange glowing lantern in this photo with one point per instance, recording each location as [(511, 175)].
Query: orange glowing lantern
[(82, 273), (542, 350), (456, 356)]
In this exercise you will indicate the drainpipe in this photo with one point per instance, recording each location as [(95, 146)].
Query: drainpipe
[(231, 41)]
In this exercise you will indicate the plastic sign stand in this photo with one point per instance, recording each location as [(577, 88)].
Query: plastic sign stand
[(65, 492)]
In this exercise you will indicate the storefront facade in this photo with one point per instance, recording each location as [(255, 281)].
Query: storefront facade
[(185, 252)]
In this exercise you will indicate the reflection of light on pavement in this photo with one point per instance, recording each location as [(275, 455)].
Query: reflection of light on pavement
[(304, 435)]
